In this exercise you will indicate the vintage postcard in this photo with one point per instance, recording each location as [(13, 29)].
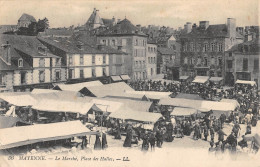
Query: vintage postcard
[(129, 83)]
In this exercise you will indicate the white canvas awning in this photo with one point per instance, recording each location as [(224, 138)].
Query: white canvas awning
[(234, 102), (151, 94), (18, 99), (105, 105), (129, 114), (125, 77), (116, 78), (252, 83), (218, 106), (58, 105), (77, 87), (24, 135), (179, 102), (179, 111), (184, 77), (216, 79), (201, 79), (43, 91)]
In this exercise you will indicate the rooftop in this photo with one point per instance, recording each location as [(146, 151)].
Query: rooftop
[(27, 17), (124, 27)]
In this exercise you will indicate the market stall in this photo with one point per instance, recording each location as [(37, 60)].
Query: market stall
[(24, 135)]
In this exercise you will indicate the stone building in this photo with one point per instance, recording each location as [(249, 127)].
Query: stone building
[(83, 61), (133, 42), (151, 60), (25, 63), (25, 20), (242, 62), (168, 62), (203, 47)]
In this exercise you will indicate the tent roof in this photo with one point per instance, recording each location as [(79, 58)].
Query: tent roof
[(134, 104), (200, 79), (77, 86), (42, 91), (105, 105), (18, 99), (151, 94), (179, 102), (179, 111), (125, 77), (23, 135), (218, 106), (189, 96), (184, 77), (233, 101), (116, 78), (216, 79), (129, 114), (59, 105), (112, 89), (252, 83)]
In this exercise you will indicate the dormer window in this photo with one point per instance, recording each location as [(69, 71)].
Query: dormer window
[(42, 50), (20, 63)]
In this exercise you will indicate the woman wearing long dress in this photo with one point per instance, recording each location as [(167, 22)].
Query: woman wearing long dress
[(104, 141), (128, 139), (97, 145)]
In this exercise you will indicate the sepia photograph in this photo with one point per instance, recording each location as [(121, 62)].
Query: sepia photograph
[(114, 83)]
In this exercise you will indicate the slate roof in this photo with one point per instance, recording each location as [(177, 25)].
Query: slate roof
[(166, 51), (94, 18), (70, 45), (218, 30), (57, 32), (253, 47), (7, 28), (124, 27), (27, 17), (28, 45)]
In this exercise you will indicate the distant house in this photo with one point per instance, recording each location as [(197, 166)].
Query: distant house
[(25, 20), (242, 62), (25, 63)]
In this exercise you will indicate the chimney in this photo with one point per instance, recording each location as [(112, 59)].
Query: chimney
[(204, 25), (231, 27), (138, 27), (189, 26), (194, 26), (114, 20), (101, 47), (6, 54)]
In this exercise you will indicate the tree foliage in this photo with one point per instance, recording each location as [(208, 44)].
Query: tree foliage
[(34, 28)]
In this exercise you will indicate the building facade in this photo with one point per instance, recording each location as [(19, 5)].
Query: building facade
[(203, 47), (124, 34), (82, 61), (242, 62), (26, 63), (151, 59)]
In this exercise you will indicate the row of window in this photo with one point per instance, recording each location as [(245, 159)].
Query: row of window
[(139, 52), (113, 42), (82, 59), (245, 64), (205, 61), (140, 42), (151, 60), (139, 63), (139, 75), (204, 47), (152, 49), (81, 73)]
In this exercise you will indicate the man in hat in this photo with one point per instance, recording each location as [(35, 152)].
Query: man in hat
[(206, 131)]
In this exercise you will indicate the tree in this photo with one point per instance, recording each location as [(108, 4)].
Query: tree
[(42, 25)]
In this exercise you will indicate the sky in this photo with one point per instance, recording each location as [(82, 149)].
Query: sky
[(173, 13)]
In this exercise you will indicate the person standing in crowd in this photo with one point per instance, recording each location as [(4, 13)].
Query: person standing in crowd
[(169, 129), (97, 145), (84, 142), (152, 140), (221, 135), (129, 135), (104, 141), (212, 133), (206, 132), (248, 129), (159, 137), (118, 131), (145, 145)]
